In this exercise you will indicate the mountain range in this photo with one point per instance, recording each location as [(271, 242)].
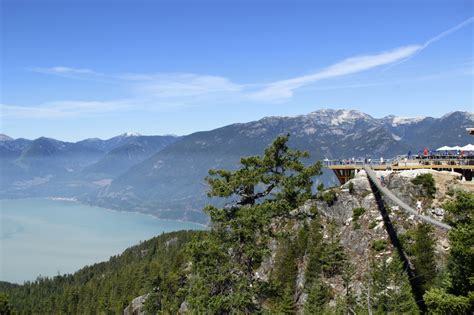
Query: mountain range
[(164, 175)]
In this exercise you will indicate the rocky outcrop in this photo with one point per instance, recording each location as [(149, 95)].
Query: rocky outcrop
[(357, 236), (136, 307)]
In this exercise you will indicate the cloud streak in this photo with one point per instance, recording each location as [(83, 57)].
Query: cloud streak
[(285, 88), (437, 38), (59, 70), (185, 84), (64, 109)]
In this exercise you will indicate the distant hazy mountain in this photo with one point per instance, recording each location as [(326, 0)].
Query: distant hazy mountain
[(121, 158), (49, 167), (171, 183), (4, 137), (11, 148), (44, 167), (109, 144)]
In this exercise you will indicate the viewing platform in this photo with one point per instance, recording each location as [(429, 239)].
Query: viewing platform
[(346, 169)]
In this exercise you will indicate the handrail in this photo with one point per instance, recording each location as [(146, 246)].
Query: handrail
[(400, 162), (371, 175)]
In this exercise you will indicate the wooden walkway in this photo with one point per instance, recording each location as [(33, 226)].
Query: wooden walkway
[(346, 171)]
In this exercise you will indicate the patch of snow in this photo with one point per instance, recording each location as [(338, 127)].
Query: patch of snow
[(309, 130), (158, 164), (395, 137), (345, 116), (131, 134), (406, 120), (103, 182)]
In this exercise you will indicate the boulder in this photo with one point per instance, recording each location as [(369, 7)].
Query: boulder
[(137, 306)]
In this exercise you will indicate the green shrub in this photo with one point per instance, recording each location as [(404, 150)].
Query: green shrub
[(372, 225), (351, 187), (320, 187), (357, 213), (330, 197), (426, 181), (440, 302), (379, 245)]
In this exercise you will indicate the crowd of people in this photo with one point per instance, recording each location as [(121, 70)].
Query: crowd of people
[(422, 156)]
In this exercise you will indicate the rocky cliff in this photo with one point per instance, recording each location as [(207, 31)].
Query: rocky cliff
[(361, 228)]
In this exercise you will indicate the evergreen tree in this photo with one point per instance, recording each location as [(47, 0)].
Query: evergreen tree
[(349, 299), (287, 304), (456, 296), (265, 189), (424, 255), (315, 248), (286, 265), (333, 257), (5, 308), (461, 237), (318, 297), (391, 288)]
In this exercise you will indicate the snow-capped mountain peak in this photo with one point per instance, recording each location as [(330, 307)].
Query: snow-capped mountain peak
[(131, 134), (338, 117), (396, 121)]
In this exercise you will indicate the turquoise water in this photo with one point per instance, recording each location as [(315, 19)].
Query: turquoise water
[(46, 237)]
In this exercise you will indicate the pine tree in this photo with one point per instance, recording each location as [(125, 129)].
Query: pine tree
[(315, 248), (424, 255), (391, 288), (286, 265), (350, 300), (5, 308), (318, 297), (333, 256), (456, 296), (287, 304), (265, 189)]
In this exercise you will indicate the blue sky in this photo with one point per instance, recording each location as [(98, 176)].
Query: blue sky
[(78, 69)]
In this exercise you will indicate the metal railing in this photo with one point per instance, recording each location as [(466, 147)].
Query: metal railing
[(404, 161)]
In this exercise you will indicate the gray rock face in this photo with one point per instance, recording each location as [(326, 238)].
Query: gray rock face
[(183, 308), (136, 307)]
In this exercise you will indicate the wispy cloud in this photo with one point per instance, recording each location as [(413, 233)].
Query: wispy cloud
[(437, 38), (64, 109), (63, 70), (285, 88), (184, 84)]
